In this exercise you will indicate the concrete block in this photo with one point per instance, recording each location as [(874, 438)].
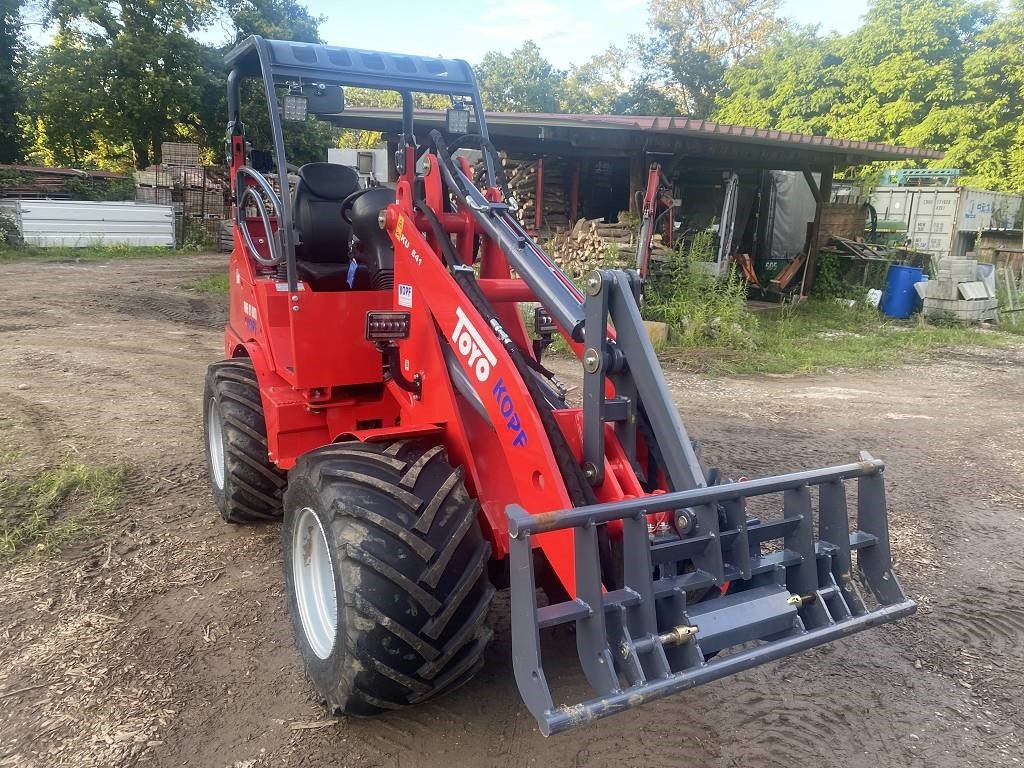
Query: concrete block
[(656, 332), (973, 290)]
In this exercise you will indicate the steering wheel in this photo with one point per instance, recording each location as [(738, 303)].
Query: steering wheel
[(348, 202)]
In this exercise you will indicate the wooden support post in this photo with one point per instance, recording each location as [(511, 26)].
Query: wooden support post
[(825, 186), (822, 193), (637, 180), (574, 194)]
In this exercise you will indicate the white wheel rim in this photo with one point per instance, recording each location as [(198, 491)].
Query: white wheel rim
[(215, 441), (313, 574)]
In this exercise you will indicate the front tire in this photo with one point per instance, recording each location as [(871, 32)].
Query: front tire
[(385, 570), (246, 486)]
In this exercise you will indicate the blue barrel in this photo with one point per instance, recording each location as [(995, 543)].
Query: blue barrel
[(898, 297)]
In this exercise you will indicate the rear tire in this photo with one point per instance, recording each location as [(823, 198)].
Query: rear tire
[(246, 486), (386, 574)]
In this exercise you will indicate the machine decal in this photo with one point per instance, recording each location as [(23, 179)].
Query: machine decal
[(251, 316), (471, 346), (405, 295), (508, 412)]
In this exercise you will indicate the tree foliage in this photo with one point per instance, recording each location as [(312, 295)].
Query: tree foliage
[(133, 64), (693, 42), (118, 79), (941, 74), (12, 62), (274, 20), (522, 81)]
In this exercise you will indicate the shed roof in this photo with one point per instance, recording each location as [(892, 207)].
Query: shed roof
[(624, 134)]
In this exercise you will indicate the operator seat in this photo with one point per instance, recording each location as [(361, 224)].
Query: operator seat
[(322, 253)]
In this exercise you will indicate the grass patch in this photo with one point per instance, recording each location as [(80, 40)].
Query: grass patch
[(214, 285), (58, 506), (821, 335), (86, 253), (711, 330)]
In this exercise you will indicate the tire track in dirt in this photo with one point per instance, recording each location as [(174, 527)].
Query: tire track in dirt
[(781, 731), (29, 428), (199, 312), (983, 618)]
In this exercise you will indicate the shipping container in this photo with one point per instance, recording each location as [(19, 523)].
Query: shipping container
[(78, 223), (945, 221)]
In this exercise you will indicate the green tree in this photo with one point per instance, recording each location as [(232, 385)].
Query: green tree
[(274, 19), (793, 85), (941, 74), (903, 69), (67, 126), (597, 85), (693, 42), (141, 58), (12, 62), (989, 139), (522, 81)]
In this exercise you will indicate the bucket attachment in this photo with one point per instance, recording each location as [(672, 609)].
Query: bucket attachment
[(732, 593)]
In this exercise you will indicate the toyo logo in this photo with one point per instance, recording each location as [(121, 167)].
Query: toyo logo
[(471, 346)]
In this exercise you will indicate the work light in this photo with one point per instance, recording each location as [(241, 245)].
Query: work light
[(458, 119)]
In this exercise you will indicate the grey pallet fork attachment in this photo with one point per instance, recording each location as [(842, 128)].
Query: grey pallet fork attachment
[(644, 640)]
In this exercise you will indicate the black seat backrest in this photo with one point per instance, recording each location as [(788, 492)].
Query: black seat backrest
[(323, 234)]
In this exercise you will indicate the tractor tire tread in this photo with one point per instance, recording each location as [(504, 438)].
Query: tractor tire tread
[(415, 601), (254, 488)]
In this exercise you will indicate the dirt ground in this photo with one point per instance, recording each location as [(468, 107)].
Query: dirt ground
[(163, 639)]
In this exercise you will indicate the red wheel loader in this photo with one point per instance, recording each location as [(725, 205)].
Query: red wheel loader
[(382, 393)]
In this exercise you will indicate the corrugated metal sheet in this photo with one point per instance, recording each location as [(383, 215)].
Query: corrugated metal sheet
[(78, 223), (678, 125)]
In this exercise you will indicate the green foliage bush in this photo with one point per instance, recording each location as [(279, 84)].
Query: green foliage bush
[(103, 190), (11, 178), (10, 235), (701, 309)]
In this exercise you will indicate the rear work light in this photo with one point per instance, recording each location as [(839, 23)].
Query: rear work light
[(387, 326)]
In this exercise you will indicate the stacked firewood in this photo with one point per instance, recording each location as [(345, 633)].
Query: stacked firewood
[(522, 181), (593, 244), (590, 244)]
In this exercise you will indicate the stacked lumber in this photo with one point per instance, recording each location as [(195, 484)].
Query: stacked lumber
[(177, 153), (36, 182), (592, 243)]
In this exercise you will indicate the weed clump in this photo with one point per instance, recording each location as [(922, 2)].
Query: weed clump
[(701, 308), (56, 507)]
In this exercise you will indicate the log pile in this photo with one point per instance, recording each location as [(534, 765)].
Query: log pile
[(592, 243), (522, 182)]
